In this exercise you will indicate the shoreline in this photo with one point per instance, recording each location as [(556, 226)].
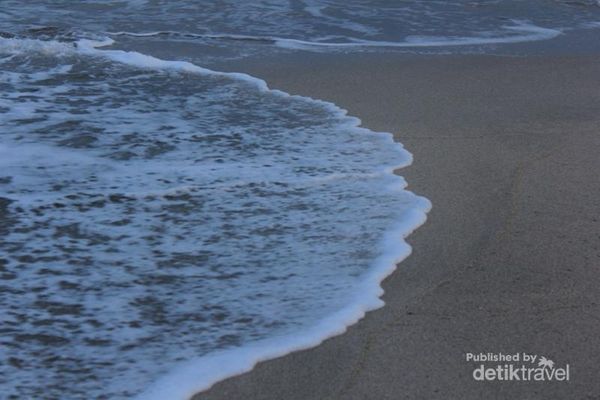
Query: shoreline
[(480, 128)]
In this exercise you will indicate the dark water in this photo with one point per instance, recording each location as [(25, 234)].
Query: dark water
[(246, 27)]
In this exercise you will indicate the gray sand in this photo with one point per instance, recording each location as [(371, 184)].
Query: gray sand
[(507, 149)]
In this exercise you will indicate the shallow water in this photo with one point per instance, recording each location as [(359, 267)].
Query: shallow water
[(154, 215)]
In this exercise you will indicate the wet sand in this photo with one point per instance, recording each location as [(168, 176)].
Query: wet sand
[(508, 151)]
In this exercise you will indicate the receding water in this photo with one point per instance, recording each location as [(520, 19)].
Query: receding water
[(154, 215)]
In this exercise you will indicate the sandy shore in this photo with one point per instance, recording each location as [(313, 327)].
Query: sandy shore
[(508, 151)]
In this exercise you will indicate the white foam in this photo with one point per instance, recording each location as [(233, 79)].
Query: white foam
[(90, 47), (13, 46), (520, 31), (201, 374), (525, 33), (591, 24)]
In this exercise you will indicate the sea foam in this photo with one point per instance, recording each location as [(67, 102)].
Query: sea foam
[(517, 32)]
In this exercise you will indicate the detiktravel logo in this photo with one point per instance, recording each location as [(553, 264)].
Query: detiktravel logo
[(516, 367)]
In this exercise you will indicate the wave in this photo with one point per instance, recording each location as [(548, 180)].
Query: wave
[(520, 31), (199, 374)]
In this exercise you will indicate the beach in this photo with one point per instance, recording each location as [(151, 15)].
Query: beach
[(506, 149), (307, 200)]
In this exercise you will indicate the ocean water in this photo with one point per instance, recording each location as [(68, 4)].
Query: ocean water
[(164, 226), (246, 27)]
